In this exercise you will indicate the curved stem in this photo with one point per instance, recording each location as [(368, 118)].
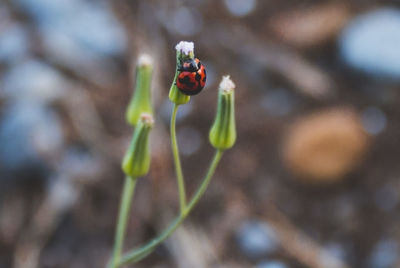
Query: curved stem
[(138, 254), (125, 205), (177, 161)]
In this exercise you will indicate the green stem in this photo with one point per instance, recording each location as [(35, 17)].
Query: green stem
[(139, 253), (177, 161), (125, 205)]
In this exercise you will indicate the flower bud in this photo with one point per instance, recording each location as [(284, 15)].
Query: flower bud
[(141, 100), (223, 131), (184, 51), (136, 162), (176, 96)]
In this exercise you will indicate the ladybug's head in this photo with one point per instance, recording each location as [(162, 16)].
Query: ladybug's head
[(191, 65)]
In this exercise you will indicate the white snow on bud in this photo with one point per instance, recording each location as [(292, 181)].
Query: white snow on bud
[(185, 47), (145, 60), (226, 84), (147, 119)]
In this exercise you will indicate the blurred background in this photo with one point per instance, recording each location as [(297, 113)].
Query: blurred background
[(313, 180)]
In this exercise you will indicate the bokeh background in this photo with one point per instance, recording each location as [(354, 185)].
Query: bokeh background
[(313, 180)]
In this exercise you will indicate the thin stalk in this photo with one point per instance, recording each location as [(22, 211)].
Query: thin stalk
[(139, 253), (125, 205), (178, 168)]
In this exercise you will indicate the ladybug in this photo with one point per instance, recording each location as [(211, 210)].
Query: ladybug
[(192, 77)]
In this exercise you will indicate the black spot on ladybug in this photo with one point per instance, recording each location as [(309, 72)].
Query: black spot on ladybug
[(197, 77), (186, 81), (205, 75)]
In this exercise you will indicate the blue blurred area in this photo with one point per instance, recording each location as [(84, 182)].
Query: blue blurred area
[(81, 35), (272, 264), (14, 43), (371, 43), (33, 81), (28, 133), (256, 239), (86, 26), (385, 254)]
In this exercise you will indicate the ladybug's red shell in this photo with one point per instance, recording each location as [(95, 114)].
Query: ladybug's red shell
[(192, 77)]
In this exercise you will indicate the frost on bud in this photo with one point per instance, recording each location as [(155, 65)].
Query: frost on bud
[(184, 51), (141, 100), (136, 162), (223, 131)]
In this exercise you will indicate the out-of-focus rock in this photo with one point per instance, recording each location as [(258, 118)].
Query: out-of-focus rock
[(240, 8), (29, 134), (14, 43), (371, 43), (61, 194), (337, 250), (328, 260), (311, 26), (33, 81), (325, 146), (385, 254), (272, 264), (79, 21), (373, 120), (256, 239), (78, 34)]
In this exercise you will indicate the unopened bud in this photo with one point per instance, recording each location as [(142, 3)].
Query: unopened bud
[(136, 162), (177, 97), (223, 131), (141, 100)]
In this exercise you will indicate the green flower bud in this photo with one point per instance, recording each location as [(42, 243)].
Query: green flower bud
[(136, 162), (141, 100), (184, 51), (223, 131), (176, 96)]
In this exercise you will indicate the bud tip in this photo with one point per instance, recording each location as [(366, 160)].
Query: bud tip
[(226, 84), (147, 119), (185, 47), (145, 60)]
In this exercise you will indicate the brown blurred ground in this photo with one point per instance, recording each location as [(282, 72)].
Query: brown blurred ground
[(267, 59)]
